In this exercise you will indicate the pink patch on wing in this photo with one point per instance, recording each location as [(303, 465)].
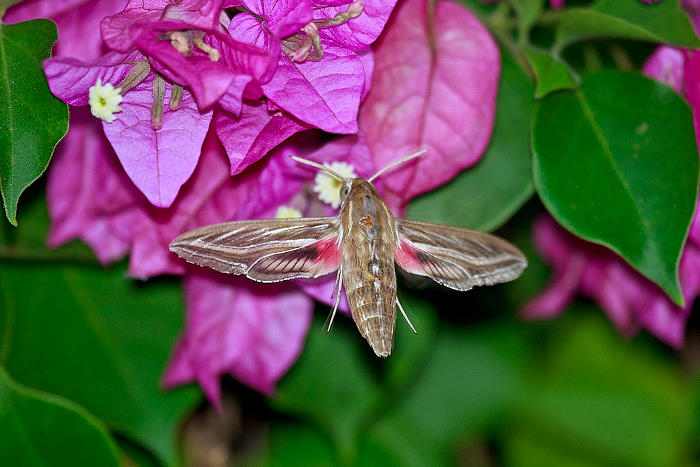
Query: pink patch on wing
[(407, 257), (328, 255)]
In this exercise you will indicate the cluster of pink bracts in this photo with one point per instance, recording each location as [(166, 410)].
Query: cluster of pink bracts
[(216, 94)]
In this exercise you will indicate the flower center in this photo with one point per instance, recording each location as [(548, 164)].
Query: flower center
[(328, 186), (287, 212), (105, 100)]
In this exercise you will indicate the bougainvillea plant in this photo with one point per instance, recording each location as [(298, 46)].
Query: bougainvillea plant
[(571, 125)]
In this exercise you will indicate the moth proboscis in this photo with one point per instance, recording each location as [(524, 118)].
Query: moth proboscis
[(361, 243)]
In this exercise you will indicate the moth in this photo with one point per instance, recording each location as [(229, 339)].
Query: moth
[(361, 244)]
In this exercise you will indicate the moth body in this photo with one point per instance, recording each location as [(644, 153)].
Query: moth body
[(367, 262)]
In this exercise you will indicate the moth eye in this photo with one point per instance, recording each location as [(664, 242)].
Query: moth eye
[(344, 191)]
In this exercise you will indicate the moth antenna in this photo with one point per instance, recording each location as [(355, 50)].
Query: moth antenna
[(319, 166), (338, 287), (405, 317), (395, 163)]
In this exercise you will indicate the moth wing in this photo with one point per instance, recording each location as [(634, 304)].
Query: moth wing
[(266, 250), (454, 257)]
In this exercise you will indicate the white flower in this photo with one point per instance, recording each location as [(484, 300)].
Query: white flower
[(328, 186), (285, 212), (104, 101)]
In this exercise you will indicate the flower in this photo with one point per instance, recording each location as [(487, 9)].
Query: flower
[(233, 325), (320, 76), (159, 133), (328, 186), (630, 300), (104, 101), (187, 43), (286, 212)]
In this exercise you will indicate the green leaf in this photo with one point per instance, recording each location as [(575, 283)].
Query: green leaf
[(39, 429), (616, 164), (296, 444), (471, 378), (487, 195), (551, 73), (410, 350), (330, 384), (602, 401), (32, 120), (96, 337), (527, 11), (662, 22)]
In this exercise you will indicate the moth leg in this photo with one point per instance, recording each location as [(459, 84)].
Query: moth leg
[(338, 287), (405, 317)]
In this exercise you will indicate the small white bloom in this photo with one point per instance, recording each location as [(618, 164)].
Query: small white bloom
[(104, 101), (328, 186), (286, 212)]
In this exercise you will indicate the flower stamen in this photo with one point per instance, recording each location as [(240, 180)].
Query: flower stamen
[(157, 106), (186, 40), (198, 39), (354, 10), (175, 97), (135, 76)]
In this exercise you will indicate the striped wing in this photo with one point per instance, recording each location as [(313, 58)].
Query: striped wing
[(268, 250), (454, 257)]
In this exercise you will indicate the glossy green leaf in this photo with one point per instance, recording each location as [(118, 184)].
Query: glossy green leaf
[(98, 338), (551, 73), (488, 194), (471, 377), (32, 120), (661, 22), (616, 164), (330, 385), (39, 429), (602, 401)]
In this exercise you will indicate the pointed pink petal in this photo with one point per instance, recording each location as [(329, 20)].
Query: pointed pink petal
[(559, 293), (232, 100), (666, 65), (434, 88), (282, 18), (325, 94), (122, 30), (255, 332), (358, 32), (367, 57), (256, 131), (247, 31), (70, 79), (158, 161)]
